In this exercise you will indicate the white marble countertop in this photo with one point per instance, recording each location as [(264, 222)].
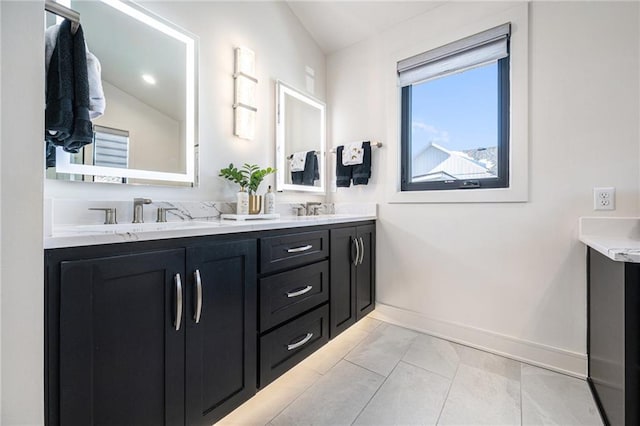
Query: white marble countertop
[(86, 235), (618, 238)]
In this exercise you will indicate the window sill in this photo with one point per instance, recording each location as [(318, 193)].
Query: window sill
[(489, 195)]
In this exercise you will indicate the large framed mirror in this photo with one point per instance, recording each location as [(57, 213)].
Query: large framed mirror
[(300, 140), (148, 133)]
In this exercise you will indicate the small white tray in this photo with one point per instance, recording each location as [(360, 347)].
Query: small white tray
[(250, 216)]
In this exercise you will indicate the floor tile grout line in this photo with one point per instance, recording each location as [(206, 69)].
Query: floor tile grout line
[(426, 369), (448, 392), (365, 368), (521, 411), (297, 396), (375, 393)]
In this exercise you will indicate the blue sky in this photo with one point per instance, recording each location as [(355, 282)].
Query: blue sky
[(458, 111)]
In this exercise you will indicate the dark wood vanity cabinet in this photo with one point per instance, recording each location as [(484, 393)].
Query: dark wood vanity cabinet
[(125, 343), (220, 350), (293, 295), (121, 360), (614, 337), (352, 275), (182, 331)]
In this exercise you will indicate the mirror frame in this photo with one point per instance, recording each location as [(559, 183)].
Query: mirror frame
[(282, 90), (63, 159)]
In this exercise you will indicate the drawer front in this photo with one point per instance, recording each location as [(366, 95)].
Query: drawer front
[(285, 295), (288, 345), (292, 250)]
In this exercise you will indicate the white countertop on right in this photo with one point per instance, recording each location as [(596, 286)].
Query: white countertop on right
[(618, 238)]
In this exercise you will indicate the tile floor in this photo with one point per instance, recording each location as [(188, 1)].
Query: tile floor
[(380, 374)]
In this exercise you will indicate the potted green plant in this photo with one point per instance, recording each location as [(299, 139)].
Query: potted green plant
[(249, 177)]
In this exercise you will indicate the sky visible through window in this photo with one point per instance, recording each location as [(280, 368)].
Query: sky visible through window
[(458, 112)]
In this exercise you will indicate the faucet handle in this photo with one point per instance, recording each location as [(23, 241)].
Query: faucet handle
[(162, 213), (142, 200), (109, 215)]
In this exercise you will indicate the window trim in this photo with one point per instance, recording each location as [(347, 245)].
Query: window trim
[(432, 37), (502, 181)]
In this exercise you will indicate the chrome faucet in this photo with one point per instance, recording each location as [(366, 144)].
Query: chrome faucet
[(138, 209), (312, 208)]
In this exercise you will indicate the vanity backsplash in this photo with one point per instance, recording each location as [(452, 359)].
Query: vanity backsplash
[(60, 212)]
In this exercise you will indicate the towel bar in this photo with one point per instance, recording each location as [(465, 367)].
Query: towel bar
[(65, 12), (373, 145)]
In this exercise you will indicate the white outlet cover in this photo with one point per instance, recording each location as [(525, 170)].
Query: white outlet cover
[(604, 198)]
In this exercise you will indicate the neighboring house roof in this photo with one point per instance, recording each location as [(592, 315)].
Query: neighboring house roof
[(488, 157), (437, 163)]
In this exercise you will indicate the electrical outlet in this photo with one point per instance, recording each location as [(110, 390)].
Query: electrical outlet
[(604, 198)]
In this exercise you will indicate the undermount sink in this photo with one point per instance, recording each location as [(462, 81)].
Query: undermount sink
[(320, 216), (132, 227)]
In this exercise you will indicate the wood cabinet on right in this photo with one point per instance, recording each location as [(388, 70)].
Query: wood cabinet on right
[(352, 283), (613, 343)]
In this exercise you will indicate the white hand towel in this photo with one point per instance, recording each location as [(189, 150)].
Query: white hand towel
[(298, 161), (352, 154)]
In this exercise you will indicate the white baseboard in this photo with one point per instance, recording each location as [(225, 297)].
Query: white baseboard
[(549, 357)]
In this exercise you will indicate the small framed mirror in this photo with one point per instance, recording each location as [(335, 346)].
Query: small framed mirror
[(148, 131), (300, 140)]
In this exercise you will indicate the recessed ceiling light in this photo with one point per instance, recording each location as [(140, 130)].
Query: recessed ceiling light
[(149, 79)]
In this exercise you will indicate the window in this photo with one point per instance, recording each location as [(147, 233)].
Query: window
[(455, 114)]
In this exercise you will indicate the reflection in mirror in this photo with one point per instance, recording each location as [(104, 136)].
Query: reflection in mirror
[(300, 141), (148, 131)]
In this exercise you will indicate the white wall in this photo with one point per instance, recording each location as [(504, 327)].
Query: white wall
[(21, 178), (154, 137), (0, 217), (283, 49), (509, 277)]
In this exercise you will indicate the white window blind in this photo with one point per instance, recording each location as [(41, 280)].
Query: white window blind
[(468, 52), (111, 147)]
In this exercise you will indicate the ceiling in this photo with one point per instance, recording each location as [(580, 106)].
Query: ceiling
[(339, 24)]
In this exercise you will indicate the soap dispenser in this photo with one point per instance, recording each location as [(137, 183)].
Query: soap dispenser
[(242, 207), (270, 202)]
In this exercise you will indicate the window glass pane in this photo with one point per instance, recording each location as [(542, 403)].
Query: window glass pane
[(454, 126)]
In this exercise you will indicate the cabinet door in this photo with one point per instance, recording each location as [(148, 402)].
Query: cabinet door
[(221, 345), (343, 280), (121, 357), (365, 278)]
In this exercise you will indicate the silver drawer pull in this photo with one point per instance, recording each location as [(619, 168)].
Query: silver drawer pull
[(307, 289), (178, 302), (300, 343), (362, 250), (299, 249)]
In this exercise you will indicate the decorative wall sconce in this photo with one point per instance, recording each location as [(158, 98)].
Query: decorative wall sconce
[(245, 93)]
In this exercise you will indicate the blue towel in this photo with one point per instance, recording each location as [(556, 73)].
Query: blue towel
[(343, 173), (67, 121), (310, 173), (362, 172)]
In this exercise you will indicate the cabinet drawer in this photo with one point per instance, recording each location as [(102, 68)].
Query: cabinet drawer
[(285, 295), (290, 250), (288, 345)]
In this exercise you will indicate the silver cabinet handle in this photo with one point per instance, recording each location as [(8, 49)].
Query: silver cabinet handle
[(355, 260), (307, 289), (198, 307), (362, 250), (299, 249), (178, 302), (300, 343)]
